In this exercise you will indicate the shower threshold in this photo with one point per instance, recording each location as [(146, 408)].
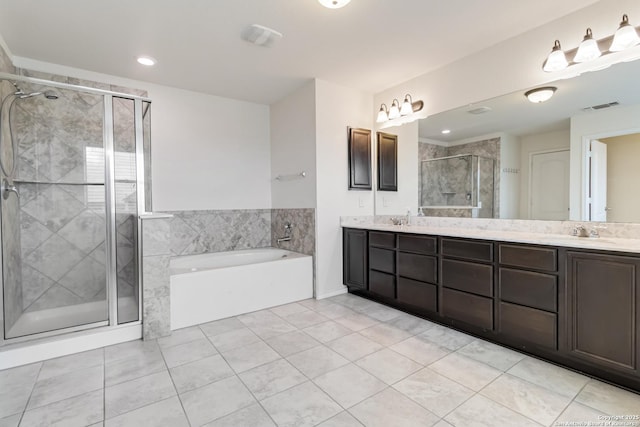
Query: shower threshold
[(71, 316)]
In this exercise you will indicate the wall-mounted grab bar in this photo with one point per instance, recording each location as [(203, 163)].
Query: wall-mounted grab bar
[(292, 176)]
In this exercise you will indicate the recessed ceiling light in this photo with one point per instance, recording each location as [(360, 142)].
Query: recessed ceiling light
[(334, 4), (146, 60), (446, 131)]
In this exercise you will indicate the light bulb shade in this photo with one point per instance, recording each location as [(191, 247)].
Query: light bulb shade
[(383, 116), (540, 94), (625, 37), (407, 106), (588, 49), (394, 111), (334, 4), (556, 60)]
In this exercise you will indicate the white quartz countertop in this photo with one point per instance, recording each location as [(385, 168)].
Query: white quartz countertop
[(600, 243)]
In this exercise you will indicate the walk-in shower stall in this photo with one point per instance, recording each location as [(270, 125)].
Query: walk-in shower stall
[(74, 170)]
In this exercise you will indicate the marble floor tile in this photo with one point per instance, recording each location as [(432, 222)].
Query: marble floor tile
[(265, 324), (317, 361), (234, 339), (129, 349), (189, 352), (609, 399), (412, 324), (436, 393), (181, 336), (532, 401), (257, 318), (343, 419), (357, 322), (16, 385), (125, 397), (447, 338), (287, 309), (385, 334), (137, 366), (492, 354), (160, 414), (383, 313), (253, 416), (549, 376), (482, 412), (391, 408), (333, 311), (468, 372), (420, 350), (354, 346), (65, 386), (208, 403), (272, 378), (77, 411), (11, 421), (442, 423), (73, 362), (291, 343), (305, 319), (388, 365), (349, 385), (199, 373), (579, 413), (218, 327), (304, 405), (327, 331), (248, 357)]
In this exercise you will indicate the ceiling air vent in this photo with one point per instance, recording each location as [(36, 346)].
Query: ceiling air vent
[(260, 35), (601, 106), (479, 110)]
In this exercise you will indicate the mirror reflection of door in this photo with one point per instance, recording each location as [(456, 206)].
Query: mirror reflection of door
[(598, 181), (549, 180)]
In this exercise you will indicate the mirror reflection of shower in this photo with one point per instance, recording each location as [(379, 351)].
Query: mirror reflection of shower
[(461, 185)]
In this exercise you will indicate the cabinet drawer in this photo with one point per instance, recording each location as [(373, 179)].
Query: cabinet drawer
[(477, 251), (468, 277), (386, 240), (418, 294), (382, 260), (419, 244), (471, 309), (382, 284), (418, 267), (528, 257), (528, 324), (536, 290)]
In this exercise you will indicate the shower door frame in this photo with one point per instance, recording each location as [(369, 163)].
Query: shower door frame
[(110, 207)]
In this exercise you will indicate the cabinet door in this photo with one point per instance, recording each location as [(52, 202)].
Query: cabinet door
[(354, 258), (359, 159), (387, 162), (603, 310)]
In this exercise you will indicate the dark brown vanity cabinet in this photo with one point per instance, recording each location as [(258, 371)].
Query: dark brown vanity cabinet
[(418, 271), (354, 258), (603, 320), (467, 281), (382, 264), (528, 294)]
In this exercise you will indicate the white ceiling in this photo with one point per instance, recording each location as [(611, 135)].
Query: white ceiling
[(369, 44)]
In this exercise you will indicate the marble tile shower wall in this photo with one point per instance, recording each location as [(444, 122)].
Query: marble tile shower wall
[(303, 231)]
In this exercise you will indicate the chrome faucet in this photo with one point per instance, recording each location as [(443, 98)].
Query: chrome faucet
[(579, 231), (8, 188), (287, 233)]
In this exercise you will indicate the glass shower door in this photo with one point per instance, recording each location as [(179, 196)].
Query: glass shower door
[(54, 227)]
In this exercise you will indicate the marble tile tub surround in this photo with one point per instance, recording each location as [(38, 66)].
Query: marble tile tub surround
[(342, 361), (303, 233)]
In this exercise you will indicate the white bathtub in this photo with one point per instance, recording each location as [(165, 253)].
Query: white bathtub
[(213, 286)]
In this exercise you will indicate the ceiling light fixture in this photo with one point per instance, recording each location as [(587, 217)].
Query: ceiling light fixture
[(334, 4), (396, 110), (146, 60), (625, 37), (540, 94), (445, 131)]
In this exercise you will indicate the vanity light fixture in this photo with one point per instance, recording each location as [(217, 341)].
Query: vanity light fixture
[(540, 94), (334, 4), (590, 49), (408, 107), (146, 60), (446, 131)]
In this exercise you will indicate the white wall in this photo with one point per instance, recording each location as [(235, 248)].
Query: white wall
[(397, 202), (293, 148), (337, 108), (207, 152), (537, 143), (593, 125)]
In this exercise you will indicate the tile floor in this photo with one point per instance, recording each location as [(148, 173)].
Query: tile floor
[(341, 362)]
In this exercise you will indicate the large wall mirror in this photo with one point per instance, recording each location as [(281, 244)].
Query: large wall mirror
[(575, 156)]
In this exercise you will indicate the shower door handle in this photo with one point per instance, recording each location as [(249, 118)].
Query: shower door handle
[(8, 188)]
